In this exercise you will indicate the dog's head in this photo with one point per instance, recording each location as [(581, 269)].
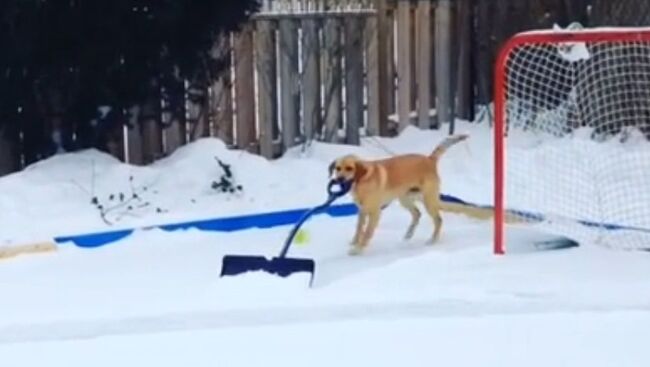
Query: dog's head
[(347, 168)]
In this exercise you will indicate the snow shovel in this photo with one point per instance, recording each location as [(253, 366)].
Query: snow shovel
[(282, 265)]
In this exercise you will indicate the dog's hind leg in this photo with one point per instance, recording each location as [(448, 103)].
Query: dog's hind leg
[(409, 204), (432, 204)]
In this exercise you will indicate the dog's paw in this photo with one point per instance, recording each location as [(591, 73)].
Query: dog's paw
[(432, 241), (355, 251), (408, 235)]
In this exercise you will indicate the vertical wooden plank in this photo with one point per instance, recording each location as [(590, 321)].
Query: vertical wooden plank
[(433, 96), (403, 63), (465, 71), (353, 78), (8, 156), (151, 140), (114, 140), (333, 79), (372, 67), (32, 137), (452, 58), (443, 61), (151, 132), (173, 134), (203, 117), (212, 110), (187, 113), (197, 112), (223, 109), (20, 147), (413, 67), (134, 139), (266, 82), (423, 61), (484, 49), (245, 89), (221, 98), (311, 95), (389, 57), (289, 78)]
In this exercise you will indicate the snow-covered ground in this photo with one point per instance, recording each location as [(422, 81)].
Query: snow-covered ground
[(563, 339), (155, 298)]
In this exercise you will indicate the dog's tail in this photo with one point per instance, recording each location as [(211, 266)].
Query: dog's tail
[(445, 144), (478, 212)]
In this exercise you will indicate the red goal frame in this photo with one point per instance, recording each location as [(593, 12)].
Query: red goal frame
[(500, 84)]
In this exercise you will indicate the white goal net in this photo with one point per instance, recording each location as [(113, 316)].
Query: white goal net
[(574, 109)]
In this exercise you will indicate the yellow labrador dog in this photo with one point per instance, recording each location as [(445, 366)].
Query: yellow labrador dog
[(408, 178)]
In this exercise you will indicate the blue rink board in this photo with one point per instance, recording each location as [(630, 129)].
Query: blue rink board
[(225, 224), (279, 218)]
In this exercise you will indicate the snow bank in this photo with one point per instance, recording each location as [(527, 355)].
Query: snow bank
[(573, 177), (58, 193)]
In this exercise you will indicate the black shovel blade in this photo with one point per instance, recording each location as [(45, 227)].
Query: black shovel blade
[(281, 266)]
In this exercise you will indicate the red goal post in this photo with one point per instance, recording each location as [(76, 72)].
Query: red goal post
[(543, 86)]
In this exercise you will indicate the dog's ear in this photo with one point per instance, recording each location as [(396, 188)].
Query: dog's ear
[(330, 169), (360, 170)]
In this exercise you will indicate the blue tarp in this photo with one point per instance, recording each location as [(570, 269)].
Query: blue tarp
[(282, 218), (227, 224)]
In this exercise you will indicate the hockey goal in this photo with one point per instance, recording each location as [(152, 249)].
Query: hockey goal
[(571, 135)]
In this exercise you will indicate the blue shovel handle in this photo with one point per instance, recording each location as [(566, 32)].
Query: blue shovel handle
[(343, 188)]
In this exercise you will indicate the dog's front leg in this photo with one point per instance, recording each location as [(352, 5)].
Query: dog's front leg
[(362, 218), (366, 235)]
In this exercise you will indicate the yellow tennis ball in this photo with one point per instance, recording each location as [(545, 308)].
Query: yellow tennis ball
[(302, 237)]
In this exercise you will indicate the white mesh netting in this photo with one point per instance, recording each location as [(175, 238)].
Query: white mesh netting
[(577, 148)]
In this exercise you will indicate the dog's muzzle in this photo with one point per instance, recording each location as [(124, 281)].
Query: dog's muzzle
[(339, 186)]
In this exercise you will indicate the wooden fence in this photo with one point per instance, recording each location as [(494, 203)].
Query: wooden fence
[(336, 70), (319, 70), (321, 74), (329, 70)]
